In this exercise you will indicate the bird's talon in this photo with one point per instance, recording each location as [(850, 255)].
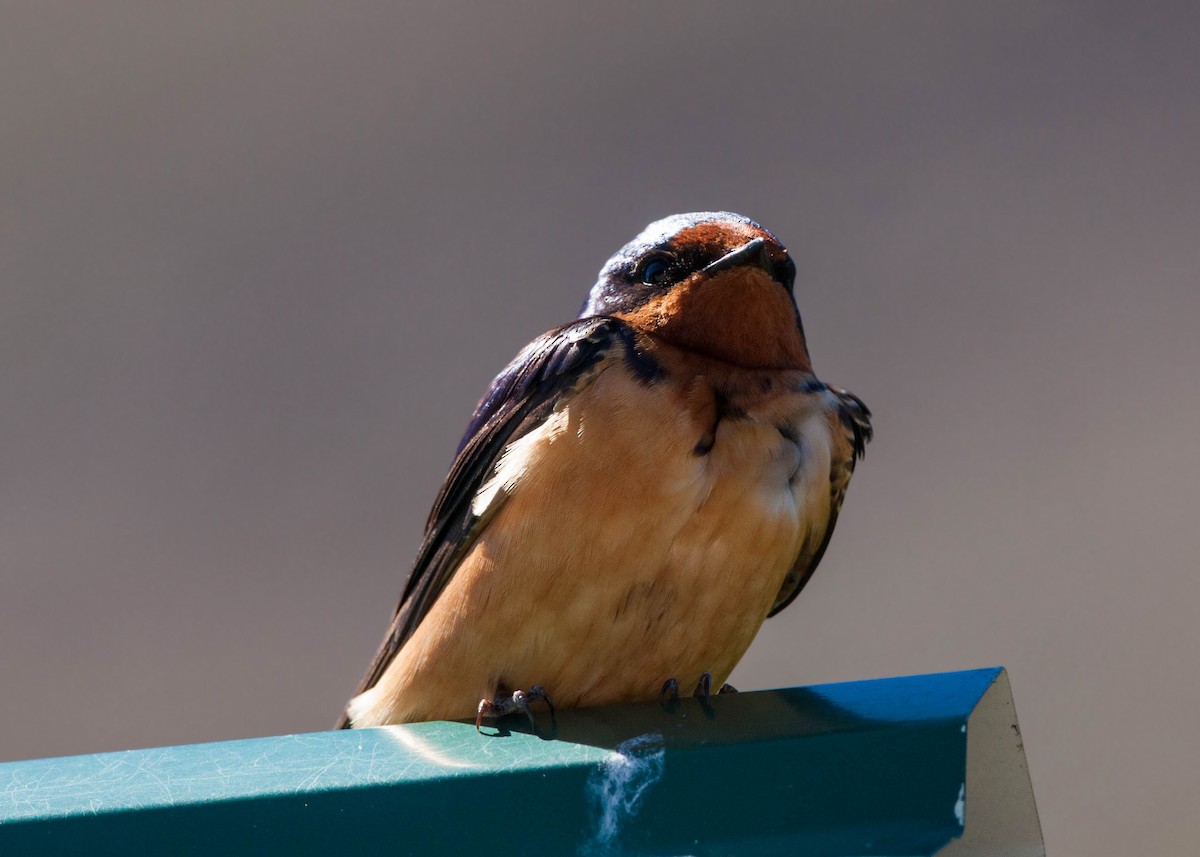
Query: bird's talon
[(703, 688), (727, 688), (668, 697), (670, 691), (537, 692), (485, 707)]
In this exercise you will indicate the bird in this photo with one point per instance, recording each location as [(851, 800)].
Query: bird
[(636, 492)]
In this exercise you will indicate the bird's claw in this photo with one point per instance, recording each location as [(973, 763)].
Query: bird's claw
[(518, 700), (668, 697)]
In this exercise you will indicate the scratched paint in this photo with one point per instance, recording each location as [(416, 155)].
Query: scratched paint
[(616, 788)]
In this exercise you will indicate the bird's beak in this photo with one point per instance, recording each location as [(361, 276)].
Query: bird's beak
[(753, 253)]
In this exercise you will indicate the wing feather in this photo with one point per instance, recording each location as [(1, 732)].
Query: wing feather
[(851, 425)]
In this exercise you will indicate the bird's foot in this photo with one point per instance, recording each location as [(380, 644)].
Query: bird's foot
[(668, 697), (704, 688), (518, 700)]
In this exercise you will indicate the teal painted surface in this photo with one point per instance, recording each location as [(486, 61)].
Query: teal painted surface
[(873, 767)]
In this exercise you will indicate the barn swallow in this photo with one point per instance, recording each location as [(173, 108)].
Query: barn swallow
[(635, 494)]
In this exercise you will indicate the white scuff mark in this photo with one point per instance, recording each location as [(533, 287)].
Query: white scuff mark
[(616, 788), (960, 805), (410, 740)]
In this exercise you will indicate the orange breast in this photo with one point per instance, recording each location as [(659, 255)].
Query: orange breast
[(618, 557)]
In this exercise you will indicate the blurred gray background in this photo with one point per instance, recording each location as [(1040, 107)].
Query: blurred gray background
[(259, 260)]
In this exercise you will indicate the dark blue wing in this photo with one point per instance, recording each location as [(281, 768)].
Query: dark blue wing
[(519, 400)]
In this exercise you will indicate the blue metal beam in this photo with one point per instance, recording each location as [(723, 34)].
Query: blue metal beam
[(871, 767)]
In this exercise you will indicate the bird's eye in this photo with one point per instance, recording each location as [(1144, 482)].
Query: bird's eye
[(654, 272)]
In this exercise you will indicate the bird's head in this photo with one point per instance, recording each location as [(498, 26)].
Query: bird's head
[(715, 283)]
